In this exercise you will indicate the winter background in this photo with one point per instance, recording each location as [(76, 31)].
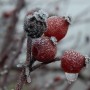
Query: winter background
[(77, 38)]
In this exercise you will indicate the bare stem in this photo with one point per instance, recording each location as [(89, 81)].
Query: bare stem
[(21, 80), (43, 64), (12, 60), (22, 77), (29, 46)]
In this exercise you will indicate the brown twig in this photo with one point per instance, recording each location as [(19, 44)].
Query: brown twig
[(28, 61), (21, 80), (29, 44), (10, 32), (43, 64), (19, 86), (4, 55), (12, 59)]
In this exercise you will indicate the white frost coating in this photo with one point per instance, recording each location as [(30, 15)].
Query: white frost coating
[(28, 17), (69, 19), (87, 61), (71, 77), (41, 14), (21, 65), (29, 79), (27, 73), (54, 40)]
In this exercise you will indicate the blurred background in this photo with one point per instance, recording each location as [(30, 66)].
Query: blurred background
[(13, 43)]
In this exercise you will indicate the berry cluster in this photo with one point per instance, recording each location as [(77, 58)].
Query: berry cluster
[(42, 29), (43, 48)]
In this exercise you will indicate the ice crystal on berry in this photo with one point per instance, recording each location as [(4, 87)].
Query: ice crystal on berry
[(54, 40), (41, 15), (87, 61), (71, 77)]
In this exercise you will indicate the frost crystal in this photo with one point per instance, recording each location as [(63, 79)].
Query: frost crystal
[(54, 40), (87, 61), (71, 77), (41, 15), (29, 79), (27, 73), (21, 65), (68, 19)]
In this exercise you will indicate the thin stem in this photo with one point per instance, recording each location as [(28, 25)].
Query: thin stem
[(43, 64), (12, 60), (9, 38), (29, 46), (21, 80), (22, 77)]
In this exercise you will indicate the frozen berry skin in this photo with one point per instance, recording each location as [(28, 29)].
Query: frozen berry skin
[(72, 61), (43, 49), (57, 27), (35, 24)]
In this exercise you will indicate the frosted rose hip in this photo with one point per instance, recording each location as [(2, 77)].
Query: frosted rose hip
[(57, 27), (72, 61), (43, 49)]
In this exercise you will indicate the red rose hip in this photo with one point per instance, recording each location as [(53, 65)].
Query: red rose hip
[(57, 27), (43, 49), (72, 61)]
